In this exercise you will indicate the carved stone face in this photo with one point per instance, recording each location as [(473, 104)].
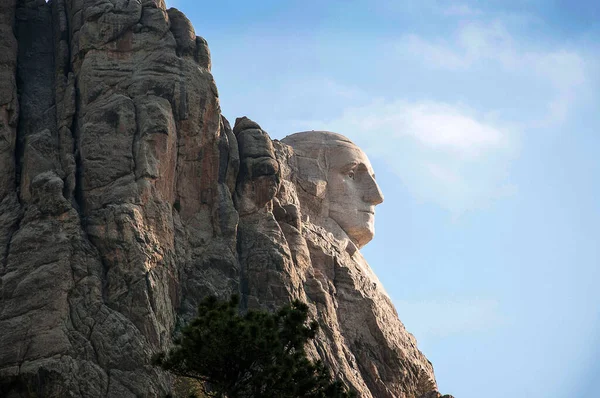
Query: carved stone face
[(352, 192), (338, 176)]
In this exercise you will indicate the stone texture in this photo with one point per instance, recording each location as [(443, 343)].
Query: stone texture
[(268, 274), (126, 197), (115, 194)]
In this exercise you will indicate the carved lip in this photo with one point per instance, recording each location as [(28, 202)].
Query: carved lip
[(367, 211)]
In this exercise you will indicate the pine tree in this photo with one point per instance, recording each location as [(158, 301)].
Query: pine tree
[(258, 354)]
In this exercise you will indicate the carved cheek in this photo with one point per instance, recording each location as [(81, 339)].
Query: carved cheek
[(344, 187)]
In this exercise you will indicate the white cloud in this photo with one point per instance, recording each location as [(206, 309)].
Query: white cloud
[(442, 317), (490, 45), (448, 127), (473, 42)]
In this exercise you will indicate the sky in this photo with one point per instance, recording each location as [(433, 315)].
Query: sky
[(482, 122)]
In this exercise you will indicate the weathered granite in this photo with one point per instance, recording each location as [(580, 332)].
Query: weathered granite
[(332, 192), (126, 197), (116, 180)]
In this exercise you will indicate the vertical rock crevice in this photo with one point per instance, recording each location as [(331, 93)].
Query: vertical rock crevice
[(10, 209), (36, 132)]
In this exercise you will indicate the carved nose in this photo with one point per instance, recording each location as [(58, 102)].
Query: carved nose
[(373, 194)]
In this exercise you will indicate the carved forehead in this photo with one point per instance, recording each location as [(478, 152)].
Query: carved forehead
[(313, 141), (334, 150), (342, 155)]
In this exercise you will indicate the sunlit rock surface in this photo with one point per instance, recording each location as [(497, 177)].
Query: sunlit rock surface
[(125, 198)]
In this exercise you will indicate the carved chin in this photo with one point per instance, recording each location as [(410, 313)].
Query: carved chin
[(360, 226), (361, 236)]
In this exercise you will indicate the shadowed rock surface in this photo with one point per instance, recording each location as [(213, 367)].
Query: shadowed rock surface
[(125, 198)]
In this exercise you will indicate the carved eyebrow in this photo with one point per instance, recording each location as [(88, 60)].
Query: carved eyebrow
[(362, 167), (349, 166)]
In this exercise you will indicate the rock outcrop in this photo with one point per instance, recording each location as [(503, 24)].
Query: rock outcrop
[(126, 197)]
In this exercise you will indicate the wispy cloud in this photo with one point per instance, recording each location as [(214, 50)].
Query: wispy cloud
[(446, 127), (490, 44)]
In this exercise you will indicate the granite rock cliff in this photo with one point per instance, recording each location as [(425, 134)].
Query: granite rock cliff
[(126, 197)]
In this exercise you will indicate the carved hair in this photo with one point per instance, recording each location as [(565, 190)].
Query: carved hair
[(311, 149)]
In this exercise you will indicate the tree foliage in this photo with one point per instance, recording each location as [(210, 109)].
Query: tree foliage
[(258, 354)]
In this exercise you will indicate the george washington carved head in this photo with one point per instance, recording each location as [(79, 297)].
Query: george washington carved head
[(337, 185)]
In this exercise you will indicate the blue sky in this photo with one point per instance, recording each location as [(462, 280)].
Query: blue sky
[(482, 123)]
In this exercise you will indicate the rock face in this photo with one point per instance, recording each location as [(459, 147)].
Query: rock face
[(125, 198)]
